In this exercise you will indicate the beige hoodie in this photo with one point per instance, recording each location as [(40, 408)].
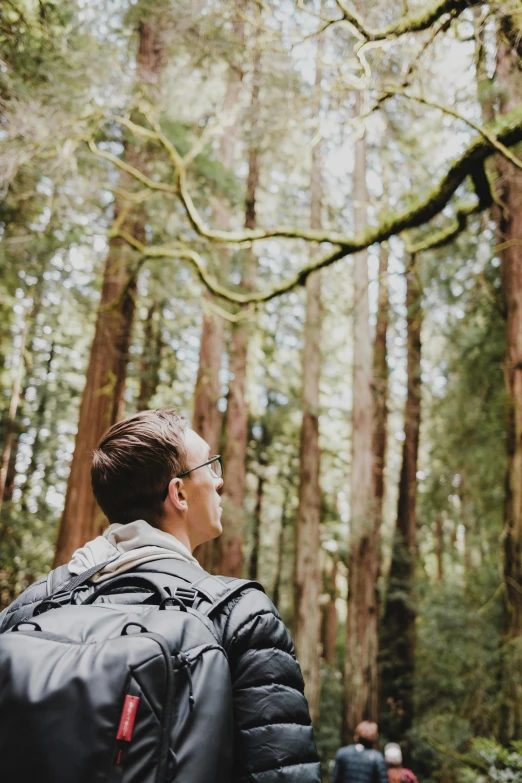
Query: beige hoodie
[(129, 545)]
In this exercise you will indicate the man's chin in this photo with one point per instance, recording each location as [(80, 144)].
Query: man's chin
[(216, 530)]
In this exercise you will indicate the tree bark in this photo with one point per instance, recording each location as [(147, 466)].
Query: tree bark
[(254, 557), (508, 216), (230, 562), (439, 548), (360, 674), (207, 418), (39, 421), (330, 623), (37, 295), (276, 592), (151, 356), (381, 383), (102, 400), (11, 414), (307, 585), (398, 624)]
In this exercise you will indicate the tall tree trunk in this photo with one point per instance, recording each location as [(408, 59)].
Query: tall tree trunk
[(151, 356), (256, 542), (207, 418), (102, 399), (11, 414), (262, 461), (508, 216), (307, 586), (276, 592), (439, 547), (398, 624), (230, 562), (37, 294), (360, 674), (330, 621), (39, 421), (380, 381)]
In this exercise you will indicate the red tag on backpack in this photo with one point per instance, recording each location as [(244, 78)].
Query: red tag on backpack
[(128, 716)]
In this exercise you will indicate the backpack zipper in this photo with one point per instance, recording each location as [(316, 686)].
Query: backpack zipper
[(161, 776)]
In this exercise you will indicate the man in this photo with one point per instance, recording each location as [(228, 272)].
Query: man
[(360, 763), (159, 487)]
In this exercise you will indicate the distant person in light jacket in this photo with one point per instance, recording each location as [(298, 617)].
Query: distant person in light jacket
[(396, 772), (360, 762)]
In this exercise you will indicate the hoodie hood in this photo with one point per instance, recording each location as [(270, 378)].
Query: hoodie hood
[(127, 546)]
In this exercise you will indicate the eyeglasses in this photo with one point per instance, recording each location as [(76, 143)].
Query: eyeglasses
[(215, 467)]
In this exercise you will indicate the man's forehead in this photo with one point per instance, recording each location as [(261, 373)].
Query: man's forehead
[(195, 443)]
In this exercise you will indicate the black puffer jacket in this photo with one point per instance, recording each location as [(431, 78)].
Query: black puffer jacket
[(356, 764), (274, 740)]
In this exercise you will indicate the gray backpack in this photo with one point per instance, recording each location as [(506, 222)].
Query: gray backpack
[(130, 685)]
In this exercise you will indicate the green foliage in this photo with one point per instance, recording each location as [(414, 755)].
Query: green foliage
[(489, 762)]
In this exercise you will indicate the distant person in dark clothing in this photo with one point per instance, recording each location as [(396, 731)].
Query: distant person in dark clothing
[(396, 772), (360, 763)]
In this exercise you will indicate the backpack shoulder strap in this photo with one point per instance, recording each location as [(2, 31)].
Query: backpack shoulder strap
[(216, 590), (222, 589), (56, 577), (61, 581)]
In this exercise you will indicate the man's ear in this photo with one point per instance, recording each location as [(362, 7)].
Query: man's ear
[(177, 495)]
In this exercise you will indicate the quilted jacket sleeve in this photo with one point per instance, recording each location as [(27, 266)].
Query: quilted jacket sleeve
[(274, 740), (23, 606), (381, 775), (337, 770)]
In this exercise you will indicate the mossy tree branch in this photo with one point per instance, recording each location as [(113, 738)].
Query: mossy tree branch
[(506, 132), (509, 13), (410, 23)]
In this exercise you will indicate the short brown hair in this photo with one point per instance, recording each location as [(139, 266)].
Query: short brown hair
[(134, 462), (367, 732)]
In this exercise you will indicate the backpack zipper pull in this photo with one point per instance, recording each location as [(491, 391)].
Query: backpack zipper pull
[(184, 664)]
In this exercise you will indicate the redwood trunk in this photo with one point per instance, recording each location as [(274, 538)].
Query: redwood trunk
[(230, 561), (508, 215), (398, 625), (39, 422), (207, 418), (102, 399), (439, 548), (276, 593), (11, 414), (381, 383), (151, 356), (254, 557), (360, 673), (330, 624), (307, 587)]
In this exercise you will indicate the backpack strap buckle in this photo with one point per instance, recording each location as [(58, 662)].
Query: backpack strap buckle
[(186, 594)]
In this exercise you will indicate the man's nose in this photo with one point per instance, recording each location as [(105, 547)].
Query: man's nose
[(220, 483)]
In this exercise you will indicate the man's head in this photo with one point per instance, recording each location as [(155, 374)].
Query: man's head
[(136, 474), (366, 733)]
